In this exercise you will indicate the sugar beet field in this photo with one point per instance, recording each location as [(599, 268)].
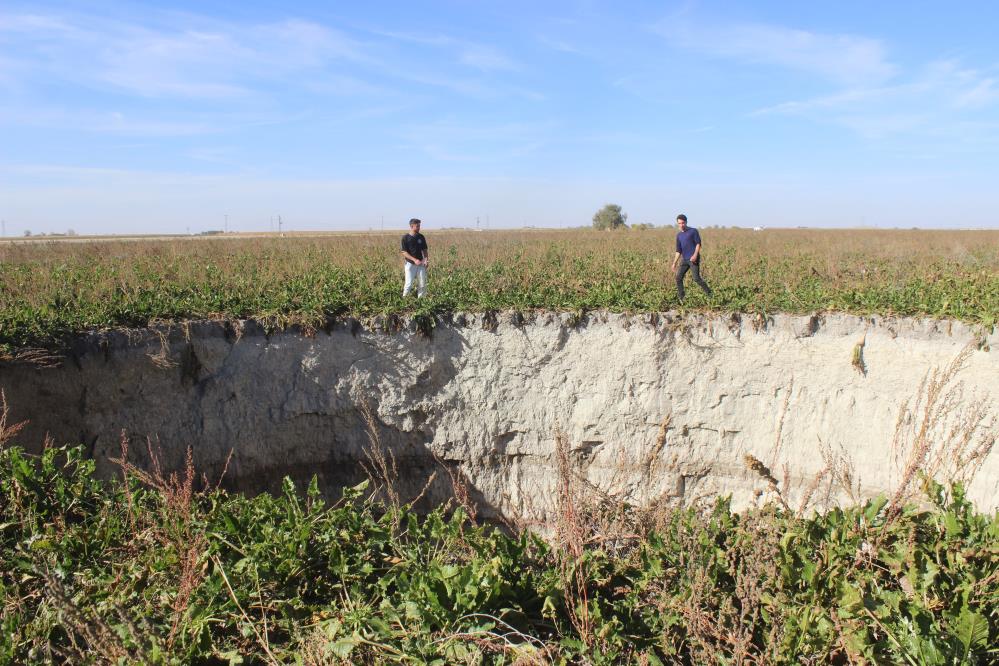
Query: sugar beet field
[(160, 566), (51, 290)]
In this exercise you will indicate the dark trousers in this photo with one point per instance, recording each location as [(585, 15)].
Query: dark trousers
[(695, 269)]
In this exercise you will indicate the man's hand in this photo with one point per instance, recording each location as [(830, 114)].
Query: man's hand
[(417, 262), (694, 258)]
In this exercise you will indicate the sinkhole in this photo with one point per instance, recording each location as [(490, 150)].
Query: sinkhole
[(644, 408)]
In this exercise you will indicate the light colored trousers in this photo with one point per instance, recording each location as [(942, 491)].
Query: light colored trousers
[(419, 274)]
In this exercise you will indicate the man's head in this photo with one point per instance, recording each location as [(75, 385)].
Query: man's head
[(681, 221), (414, 225)]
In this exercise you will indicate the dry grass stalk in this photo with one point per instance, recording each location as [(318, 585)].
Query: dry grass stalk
[(608, 519), (192, 574), (381, 465), (425, 489), (842, 476), (775, 452), (571, 534), (8, 431), (382, 470), (129, 497), (262, 638), (946, 439), (809, 492), (176, 489)]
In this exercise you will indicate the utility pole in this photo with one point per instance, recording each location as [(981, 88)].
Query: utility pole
[(279, 224), (476, 222), (227, 224)]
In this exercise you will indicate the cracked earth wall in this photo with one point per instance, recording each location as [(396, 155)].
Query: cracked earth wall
[(654, 407)]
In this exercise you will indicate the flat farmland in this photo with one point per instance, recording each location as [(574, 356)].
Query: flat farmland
[(52, 290)]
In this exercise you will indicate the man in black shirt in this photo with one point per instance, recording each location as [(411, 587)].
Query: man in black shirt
[(414, 251)]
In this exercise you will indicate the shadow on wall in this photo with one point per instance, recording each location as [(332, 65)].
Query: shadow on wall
[(257, 408)]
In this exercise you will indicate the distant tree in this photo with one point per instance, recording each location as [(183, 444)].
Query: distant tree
[(609, 217), (70, 232), (643, 226), (27, 233)]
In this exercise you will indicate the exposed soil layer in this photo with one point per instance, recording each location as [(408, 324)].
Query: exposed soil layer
[(652, 407)]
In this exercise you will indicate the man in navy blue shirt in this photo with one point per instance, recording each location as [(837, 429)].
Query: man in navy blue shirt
[(688, 256)]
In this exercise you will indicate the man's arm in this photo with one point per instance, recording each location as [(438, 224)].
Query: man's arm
[(697, 247), (676, 258)]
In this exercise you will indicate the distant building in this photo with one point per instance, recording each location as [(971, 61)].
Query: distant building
[(757, 228)]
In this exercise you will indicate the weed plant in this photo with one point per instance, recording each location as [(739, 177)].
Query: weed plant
[(158, 568), (52, 290)]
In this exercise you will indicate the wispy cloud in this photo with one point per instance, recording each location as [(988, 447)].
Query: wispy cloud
[(869, 93), (215, 63), (843, 58), (984, 93), (481, 56), (135, 124), (559, 45), (452, 141), (199, 59), (941, 99), (486, 58)]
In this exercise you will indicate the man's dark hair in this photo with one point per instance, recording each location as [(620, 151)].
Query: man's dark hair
[(414, 221), (681, 216)]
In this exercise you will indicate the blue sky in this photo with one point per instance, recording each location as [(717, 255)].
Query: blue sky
[(124, 117)]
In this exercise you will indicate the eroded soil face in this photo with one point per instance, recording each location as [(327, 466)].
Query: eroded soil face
[(651, 408)]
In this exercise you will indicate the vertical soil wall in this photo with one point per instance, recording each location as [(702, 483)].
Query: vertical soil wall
[(650, 407)]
